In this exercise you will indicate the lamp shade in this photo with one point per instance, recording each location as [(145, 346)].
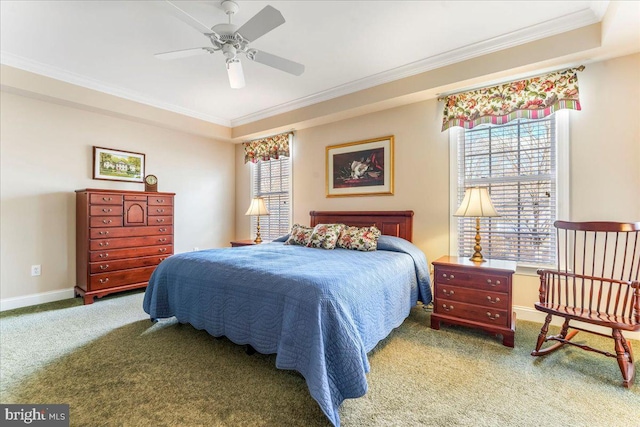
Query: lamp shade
[(476, 203), (257, 207)]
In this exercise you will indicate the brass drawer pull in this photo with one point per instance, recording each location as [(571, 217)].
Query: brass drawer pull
[(106, 221), (107, 199), (106, 210), (159, 200), (103, 255), (159, 210), (162, 240), (104, 267), (105, 280), (162, 259), (447, 293), (490, 282), (104, 243), (162, 249), (160, 219), (444, 306), (492, 301), (162, 230), (103, 233), (449, 277), (492, 317)]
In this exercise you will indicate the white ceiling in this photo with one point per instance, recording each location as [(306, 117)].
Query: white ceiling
[(345, 45)]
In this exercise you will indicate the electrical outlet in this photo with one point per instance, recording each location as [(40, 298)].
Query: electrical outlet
[(36, 270)]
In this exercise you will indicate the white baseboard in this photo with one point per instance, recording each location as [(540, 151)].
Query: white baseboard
[(35, 299), (533, 315)]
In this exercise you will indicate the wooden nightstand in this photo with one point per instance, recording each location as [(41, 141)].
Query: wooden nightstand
[(477, 295), (238, 243)]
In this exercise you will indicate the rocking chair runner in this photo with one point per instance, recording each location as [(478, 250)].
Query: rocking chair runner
[(597, 282)]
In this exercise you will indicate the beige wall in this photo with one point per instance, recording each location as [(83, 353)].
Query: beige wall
[(46, 154), (421, 171), (604, 155)]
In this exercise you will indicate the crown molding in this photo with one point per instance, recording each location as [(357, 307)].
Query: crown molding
[(549, 28), (29, 65)]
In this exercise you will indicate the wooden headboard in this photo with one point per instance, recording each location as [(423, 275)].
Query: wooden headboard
[(391, 223)]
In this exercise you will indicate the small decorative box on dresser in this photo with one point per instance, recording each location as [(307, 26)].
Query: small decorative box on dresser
[(120, 238), (474, 294)]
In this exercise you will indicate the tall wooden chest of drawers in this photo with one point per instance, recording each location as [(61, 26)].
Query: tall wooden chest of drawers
[(121, 236), (477, 295)]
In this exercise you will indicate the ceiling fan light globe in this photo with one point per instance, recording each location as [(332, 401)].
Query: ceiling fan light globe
[(236, 75)]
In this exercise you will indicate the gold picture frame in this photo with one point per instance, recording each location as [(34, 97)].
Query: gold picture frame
[(118, 165), (361, 168)]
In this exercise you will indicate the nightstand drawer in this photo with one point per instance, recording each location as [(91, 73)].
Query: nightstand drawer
[(482, 297), (491, 281), (473, 312)]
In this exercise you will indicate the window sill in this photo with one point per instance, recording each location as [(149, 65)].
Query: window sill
[(530, 269)]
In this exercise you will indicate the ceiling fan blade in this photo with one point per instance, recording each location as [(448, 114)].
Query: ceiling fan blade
[(277, 62), (185, 17), (262, 22), (183, 53)]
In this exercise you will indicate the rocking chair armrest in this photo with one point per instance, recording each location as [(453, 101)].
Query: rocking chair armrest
[(543, 274), (546, 273)]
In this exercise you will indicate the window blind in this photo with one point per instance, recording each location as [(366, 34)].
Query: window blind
[(517, 162), (271, 181)]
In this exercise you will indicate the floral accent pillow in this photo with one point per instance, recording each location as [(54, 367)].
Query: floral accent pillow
[(299, 235), (359, 238), (325, 236)]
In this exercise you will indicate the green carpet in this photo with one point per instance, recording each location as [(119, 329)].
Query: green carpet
[(116, 368)]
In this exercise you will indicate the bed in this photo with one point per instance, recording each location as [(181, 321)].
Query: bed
[(320, 311)]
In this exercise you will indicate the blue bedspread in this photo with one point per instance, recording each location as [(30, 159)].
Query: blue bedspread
[(320, 310)]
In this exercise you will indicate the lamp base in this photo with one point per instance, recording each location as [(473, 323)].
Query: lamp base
[(477, 254), (258, 238), (477, 257)]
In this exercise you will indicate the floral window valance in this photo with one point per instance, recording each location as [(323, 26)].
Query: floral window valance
[(267, 148), (532, 98)]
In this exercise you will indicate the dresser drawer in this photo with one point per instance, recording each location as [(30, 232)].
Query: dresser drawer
[(473, 312), (491, 281), (105, 221), (159, 200), (105, 199), (108, 255), (137, 198), (105, 210), (497, 300), (160, 210), (101, 233), (119, 278), (129, 242), (114, 265), (160, 220)]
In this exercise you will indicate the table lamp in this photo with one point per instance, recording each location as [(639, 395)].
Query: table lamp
[(476, 203), (256, 209)]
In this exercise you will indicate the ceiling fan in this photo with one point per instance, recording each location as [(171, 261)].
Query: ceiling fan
[(233, 41)]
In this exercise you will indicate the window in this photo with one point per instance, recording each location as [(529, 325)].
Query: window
[(518, 163), (271, 181)]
